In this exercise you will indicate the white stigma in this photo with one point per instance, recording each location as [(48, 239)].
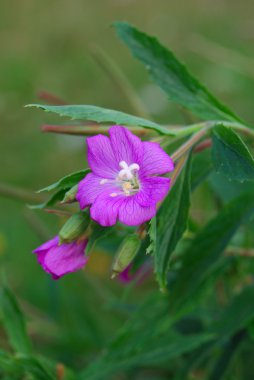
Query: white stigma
[(127, 171)]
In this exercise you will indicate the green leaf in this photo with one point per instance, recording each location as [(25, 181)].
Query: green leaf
[(161, 353), (20, 366), (203, 256), (152, 232), (229, 328), (67, 182), (55, 198), (232, 324), (9, 366), (231, 156), (103, 115), (14, 323), (36, 367), (171, 222), (227, 355), (237, 315), (171, 75)]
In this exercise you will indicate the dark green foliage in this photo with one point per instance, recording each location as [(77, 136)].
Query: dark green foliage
[(14, 323), (171, 75), (171, 223), (231, 156)]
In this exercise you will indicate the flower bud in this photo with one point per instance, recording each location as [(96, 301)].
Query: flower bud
[(126, 253), (75, 226), (70, 195)]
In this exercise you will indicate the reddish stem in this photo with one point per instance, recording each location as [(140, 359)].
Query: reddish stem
[(203, 145), (50, 98)]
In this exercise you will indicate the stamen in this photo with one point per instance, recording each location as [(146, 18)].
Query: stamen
[(134, 167), (113, 194)]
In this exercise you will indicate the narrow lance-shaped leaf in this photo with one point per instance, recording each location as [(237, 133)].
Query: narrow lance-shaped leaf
[(23, 366), (233, 324), (54, 199), (229, 351), (171, 222), (66, 182), (14, 323), (36, 367), (204, 254), (237, 315), (63, 186), (103, 115), (231, 156), (230, 329), (171, 75), (152, 233)]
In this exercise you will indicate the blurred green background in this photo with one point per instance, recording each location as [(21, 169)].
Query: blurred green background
[(48, 46)]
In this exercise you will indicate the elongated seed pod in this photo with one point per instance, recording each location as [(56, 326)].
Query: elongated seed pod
[(126, 253)]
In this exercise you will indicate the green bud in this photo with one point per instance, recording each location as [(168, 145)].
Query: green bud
[(70, 195), (126, 253), (75, 226)]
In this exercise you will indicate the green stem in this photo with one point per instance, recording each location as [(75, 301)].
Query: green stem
[(121, 82), (185, 131), (37, 225), (178, 169), (19, 194), (183, 149), (200, 130)]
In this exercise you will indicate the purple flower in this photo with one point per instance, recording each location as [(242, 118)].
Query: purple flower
[(123, 185), (140, 275), (59, 260)]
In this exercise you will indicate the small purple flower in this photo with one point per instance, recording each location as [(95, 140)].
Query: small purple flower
[(123, 184), (140, 275), (59, 260)]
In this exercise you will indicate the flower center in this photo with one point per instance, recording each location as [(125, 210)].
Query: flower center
[(126, 179)]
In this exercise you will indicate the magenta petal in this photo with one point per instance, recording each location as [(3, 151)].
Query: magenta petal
[(59, 260), (153, 190), (89, 189), (125, 275), (49, 244), (105, 208), (132, 214), (101, 158), (155, 160), (126, 146), (65, 258)]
